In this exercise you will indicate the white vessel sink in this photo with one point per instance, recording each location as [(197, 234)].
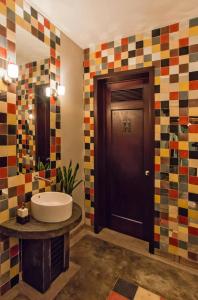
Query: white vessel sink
[(51, 207)]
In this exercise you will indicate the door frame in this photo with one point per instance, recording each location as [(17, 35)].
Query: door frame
[(100, 147)]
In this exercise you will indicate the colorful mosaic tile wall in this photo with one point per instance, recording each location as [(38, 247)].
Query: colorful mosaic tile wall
[(173, 51), (14, 189), (30, 75)]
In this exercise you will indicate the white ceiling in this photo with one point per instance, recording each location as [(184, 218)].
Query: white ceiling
[(89, 22), (29, 48)]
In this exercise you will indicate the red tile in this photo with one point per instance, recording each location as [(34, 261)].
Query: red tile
[(28, 177), (14, 251), (193, 85), (173, 193), (111, 65), (124, 41), (11, 108), (174, 60), (3, 53), (104, 46), (193, 180), (98, 54), (173, 145), (86, 63), (47, 23), (12, 161), (183, 42), (173, 242), (115, 296), (174, 95), (183, 153), (193, 230), (53, 172), (164, 38), (174, 27), (183, 220), (183, 120), (3, 173), (193, 128), (20, 190), (87, 120), (183, 170), (164, 71)]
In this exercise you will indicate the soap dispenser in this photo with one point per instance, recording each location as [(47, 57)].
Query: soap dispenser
[(22, 214)]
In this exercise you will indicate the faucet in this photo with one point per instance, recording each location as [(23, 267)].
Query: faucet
[(37, 177)]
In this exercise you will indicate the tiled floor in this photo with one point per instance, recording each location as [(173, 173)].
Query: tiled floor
[(124, 290), (102, 263)]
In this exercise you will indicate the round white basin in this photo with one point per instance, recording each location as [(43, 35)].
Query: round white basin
[(51, 207)]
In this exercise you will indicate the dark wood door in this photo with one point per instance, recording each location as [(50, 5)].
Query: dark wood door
[(127, 148)]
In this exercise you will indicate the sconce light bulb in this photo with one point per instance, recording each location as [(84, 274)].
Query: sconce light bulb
[(61, 90), (13, 71), (48, 92)]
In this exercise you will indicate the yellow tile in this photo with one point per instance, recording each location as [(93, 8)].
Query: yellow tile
[(183, 145), (157, 183), (193, 137), (147, 43), (87, 203), (172, 249), (165, 54), (157, 229), (193, 31), (182, 203), (14, 271), (157, 80), (164, 152), (11, 119), (193, 188), (173, 177), (193, 214), (12, 202), (11, 4), (157, 198), (4, 216), (13, 242), (16, 180), (183, 86), (5, 267), (193, 163), (155, 48), (28, 187), (2, 9)]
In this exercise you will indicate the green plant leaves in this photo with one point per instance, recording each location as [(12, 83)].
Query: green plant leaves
[(67, 178)]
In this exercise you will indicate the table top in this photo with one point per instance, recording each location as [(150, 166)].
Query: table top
[(40, 230)]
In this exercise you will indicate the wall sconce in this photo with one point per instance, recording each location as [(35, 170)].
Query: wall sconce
[(12, 73), (60, 91)]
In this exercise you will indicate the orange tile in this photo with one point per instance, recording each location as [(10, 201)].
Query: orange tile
[(115, 296)]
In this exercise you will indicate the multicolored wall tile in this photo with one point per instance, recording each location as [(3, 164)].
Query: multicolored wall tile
[(173, 51), (14, 189), (31, 75)]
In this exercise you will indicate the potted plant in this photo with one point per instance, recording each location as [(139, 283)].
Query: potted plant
[(66, 178)]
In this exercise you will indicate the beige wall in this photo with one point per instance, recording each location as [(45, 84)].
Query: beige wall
[(72, 109)]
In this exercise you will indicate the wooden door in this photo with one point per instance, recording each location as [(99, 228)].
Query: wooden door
[(127, 145), (125, 154)]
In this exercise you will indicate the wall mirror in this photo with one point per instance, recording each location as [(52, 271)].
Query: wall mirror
[(32, 104)]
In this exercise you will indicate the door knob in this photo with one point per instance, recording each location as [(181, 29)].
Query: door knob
[(147, 173)]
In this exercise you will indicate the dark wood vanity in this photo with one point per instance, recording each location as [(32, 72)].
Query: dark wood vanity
[(44, 247)]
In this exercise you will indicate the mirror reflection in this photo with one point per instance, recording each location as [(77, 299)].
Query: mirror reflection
[(33, 106)]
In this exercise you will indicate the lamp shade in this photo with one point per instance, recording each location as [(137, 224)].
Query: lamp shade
[(61, 90), (13, 71)]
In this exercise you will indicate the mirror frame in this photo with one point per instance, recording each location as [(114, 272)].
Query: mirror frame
[(20, 13)]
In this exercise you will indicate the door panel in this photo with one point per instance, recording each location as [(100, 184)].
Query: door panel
[(126, 170)]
